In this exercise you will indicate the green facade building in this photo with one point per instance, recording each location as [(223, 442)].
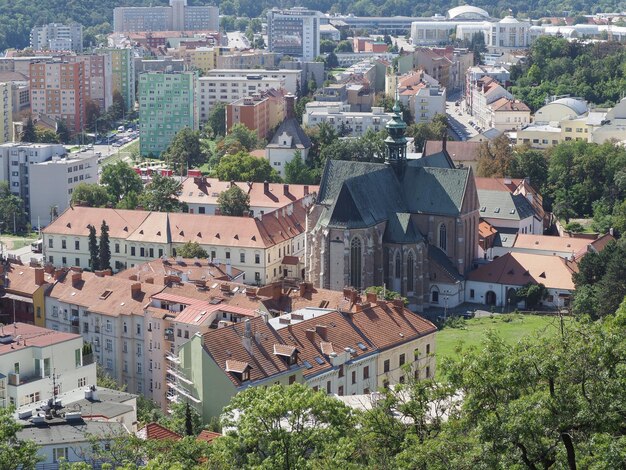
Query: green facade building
[(166, 105)]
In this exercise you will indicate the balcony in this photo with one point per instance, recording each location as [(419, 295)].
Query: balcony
[(168, 334)]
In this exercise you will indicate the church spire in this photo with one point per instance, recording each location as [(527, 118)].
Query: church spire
[(396, 141)]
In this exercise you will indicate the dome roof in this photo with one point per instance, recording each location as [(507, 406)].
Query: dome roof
[(508, 19), (467, 12), (578, 106)]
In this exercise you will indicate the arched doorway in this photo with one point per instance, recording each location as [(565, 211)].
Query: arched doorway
[(490, 298)]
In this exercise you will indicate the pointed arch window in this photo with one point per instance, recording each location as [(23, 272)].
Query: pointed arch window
[(356, 252), (410, 262), (398, 266), (443, 240)]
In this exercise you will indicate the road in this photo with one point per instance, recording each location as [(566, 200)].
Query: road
[(238, 40), (458, 120), (25, 254)]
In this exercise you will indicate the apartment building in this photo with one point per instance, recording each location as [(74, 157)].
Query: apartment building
[(57, 37), (261, 112), (481, 94), (247, 60), (37, 363), (58, 91), (289, 77), (52, 182), (23, 289), (214, 89), (339, 352), (265, 248), (508, 114), (17, 160), (294, 32), (108, 312), (177, 17), (98, 78), (343, 120), (201, 195), (166, 105), (6, 113), (122, 74)]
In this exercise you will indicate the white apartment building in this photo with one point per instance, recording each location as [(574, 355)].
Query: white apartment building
[(226, 89), (290, 77), (108, 312), (177, 17), (480, 95), (266, 248), (16, 161), (6, 113), (57, 37), (36, 362), (53, 181), (294, 32), (343, 120), (428, 101)]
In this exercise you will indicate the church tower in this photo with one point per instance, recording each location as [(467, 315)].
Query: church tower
[(396, 141)]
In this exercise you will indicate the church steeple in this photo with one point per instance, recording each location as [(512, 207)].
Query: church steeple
[(396, 141)]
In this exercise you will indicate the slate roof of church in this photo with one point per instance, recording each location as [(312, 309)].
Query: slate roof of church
[(359, 194)]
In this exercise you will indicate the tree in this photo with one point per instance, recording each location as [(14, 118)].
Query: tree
[(495, 158), (120, 180), (192, 250), (63, 133), (326, 46), (217, 119), (244, 167), (423, 131), (531, 164), (331, 63), (184, 151), (90, 195), (344, 46), (285, 427), (246, 137), (104, 380), (118, 107), (92, 113), (94, 253), (15, 453), (46, 136), (296, 171), (28, 131), (234, 201), (183, 418), (13, 216), (104, 252), (161, 195), (532, 294)]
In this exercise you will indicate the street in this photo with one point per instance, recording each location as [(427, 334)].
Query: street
[(458, 119)]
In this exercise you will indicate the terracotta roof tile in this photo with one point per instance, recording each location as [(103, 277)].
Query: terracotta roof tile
[(32, 336), (550, 243), (458, 150), (155, 431), (192, 269), (20, 279), (208, 436), (74, 221)]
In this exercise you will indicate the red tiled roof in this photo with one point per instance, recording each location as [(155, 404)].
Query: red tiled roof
[(208, 436), (458, 150), (155, 431), (32, 336)]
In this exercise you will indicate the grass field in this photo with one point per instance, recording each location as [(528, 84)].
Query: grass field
[(511, 327)]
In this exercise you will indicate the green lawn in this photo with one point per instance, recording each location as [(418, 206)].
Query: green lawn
[(473, 333)]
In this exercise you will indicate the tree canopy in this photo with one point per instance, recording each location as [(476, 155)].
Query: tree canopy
[(120, 181), (184, 151), (161, 194), (244, 167), (234, 201), (192, 250)]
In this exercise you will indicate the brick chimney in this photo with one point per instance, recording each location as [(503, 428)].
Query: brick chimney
[(290, 106), (76, 278), (322, 330), (303, 288), (277, 291), (58, 273), (310, 334), (135, 289), (286, 189), (266, 187), (39, 276), (371, 297), (306, 189), (398, 304)]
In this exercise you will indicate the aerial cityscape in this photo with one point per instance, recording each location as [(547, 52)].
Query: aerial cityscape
[(325, 235)]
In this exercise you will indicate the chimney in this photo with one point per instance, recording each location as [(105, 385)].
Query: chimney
[(371, 297), (149, 280), (354, 297), (286, 189), (132, 277), (39, 276), (290, 104), (76, 278), (135, 288), (101, 274), (229, 271), (398, 304), (265, 317), (247, 335), (507, 180), (47, 268), (302, 289), (306, 189), (310, 334), (58, 273), (277, 291), (362, 306), (322, 330), (444, 143), (266, 187)]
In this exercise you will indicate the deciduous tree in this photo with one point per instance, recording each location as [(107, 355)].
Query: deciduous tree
[(90, 195), (234, 201), (244, 167), (120, 179)]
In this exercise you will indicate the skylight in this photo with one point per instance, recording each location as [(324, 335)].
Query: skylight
[(319, 360), (307, 364), (361, 346)]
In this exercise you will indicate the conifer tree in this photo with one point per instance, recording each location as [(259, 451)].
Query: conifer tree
[(94, 260), (104, 256)]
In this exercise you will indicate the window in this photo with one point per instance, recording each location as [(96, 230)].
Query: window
[(138, 329), (76, 244), (82, 382), (109, 326), (472, 293), (186, 334), (355, 262), (328, 387), (77, 358), (416, 353), (366, 372), (292, 379), (434, 295), (401, 379), (340, 391), (443, 241), (386, 366), (50, 243), (427, 372), (402, 359), (316, 388), (353, 377), (341, 370), (139, 367), (59, 453), (179, 333), (228, 255), (132, 251), (76, 261), (117, 247), (16, 368), (428, 349), (109, 345), (242, 257), (139, 349), (409, 272), (63, 244), (110, 364), (257, 259)]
